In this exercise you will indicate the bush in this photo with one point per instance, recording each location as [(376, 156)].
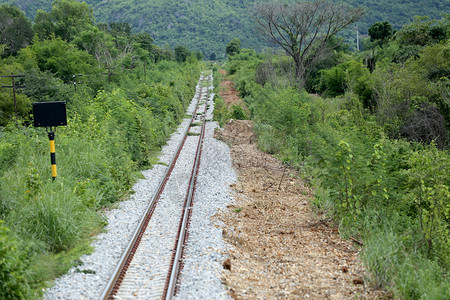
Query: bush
[(395, 267), (391, 193), (221, 111), (351, 76), (13, 264), (427, 174), (238, 113), (8, 110)]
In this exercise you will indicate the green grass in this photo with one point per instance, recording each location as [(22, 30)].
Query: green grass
[(390, 194), (408, 274), (99, 154)]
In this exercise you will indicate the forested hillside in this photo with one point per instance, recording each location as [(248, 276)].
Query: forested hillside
[(208, 26), (368, 130)]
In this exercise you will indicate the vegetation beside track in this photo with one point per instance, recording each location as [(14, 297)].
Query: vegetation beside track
[(117, 124), (385, 184)]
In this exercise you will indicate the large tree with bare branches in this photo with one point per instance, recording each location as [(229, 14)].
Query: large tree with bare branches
[(304, 29)]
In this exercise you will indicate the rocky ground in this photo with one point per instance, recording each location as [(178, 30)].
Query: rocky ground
[(281, 248)]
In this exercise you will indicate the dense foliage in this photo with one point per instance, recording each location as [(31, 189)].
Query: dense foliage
[(124, 97), (374, 144), (208, 26)]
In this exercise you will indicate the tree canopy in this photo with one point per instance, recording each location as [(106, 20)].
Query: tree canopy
[(233, 47), (304, 29), (181, 53), (380, 31), (15, 29), (66, 19), (176, 22)]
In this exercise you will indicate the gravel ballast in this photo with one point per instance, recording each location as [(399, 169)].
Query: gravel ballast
[(203, 265)]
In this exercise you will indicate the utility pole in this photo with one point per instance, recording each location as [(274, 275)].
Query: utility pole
[(145, 72), (13, 86), (75, 81), (109, 73), (357, 38)]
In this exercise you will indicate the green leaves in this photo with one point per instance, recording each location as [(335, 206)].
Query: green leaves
[(13, 275), (110, 135), (428, 178), (61, 58), (380, 31), (15, 29), (233, 47)]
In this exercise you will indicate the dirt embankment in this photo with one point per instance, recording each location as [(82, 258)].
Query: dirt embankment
[(282, 249)]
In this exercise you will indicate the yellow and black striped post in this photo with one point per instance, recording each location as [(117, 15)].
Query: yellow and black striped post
[(51, 137)]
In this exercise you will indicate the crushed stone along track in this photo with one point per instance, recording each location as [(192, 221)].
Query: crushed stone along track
[(150, 266), (205, 251)]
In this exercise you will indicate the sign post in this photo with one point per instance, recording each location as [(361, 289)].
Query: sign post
[(50, 115), (51, 137)]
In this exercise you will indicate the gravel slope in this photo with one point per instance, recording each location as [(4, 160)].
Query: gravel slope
[(200, 279), (204, 253)]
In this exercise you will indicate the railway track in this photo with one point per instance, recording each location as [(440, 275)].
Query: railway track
[(150, 266)]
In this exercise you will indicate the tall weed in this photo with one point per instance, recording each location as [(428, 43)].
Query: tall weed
[(110, 135), (392, 193)]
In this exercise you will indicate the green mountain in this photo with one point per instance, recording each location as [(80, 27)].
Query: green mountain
[(201, 25), (209, 25)]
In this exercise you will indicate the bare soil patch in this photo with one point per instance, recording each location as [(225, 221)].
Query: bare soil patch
[(228, 93), (282, 249)]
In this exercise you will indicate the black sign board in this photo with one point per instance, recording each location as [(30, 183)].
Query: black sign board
[(49, 114)]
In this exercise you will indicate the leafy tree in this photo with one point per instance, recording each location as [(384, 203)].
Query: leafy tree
[(181, 53), (164, 53), (8, 108), (145, 41), (15, 29), (61, 58), (70, 17), (98, 43), (2, 49), (176, 22), (233, 47), (122, 36), (117, 29), (304, 29), (423, 31), (43, 25), (44, 86), (381, 32), (199, 55)]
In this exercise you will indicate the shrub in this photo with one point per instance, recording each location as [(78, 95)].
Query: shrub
[(392, 193), (13, 264), (7, 108), (54, 221), (428, 172), (395, 267), (238, 113)]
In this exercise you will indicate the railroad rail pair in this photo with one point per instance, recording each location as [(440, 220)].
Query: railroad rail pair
[(113, 288)]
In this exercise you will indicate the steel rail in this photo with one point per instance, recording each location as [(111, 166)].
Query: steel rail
[(120, 270), (176, 261)]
